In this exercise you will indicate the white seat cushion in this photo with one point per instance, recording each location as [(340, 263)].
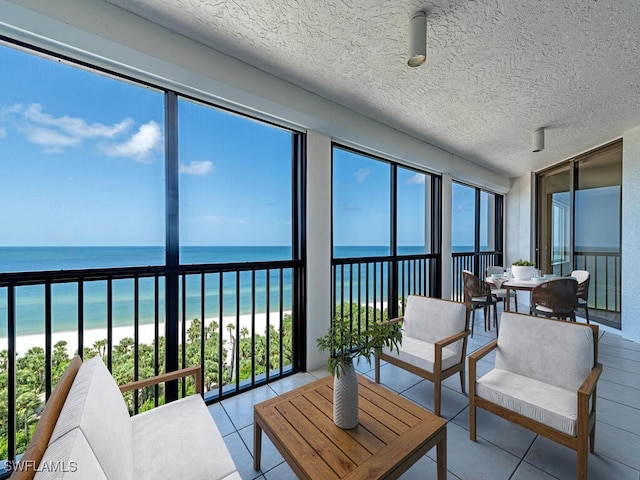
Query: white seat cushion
[(545, 403), (422, 354), (177, 438)]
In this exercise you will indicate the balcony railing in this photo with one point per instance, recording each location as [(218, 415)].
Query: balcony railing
[(237, 320), (475, 262), (604, 267), (372, 281)]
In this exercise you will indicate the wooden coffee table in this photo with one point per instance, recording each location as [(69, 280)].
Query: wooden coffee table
[(392, 435)]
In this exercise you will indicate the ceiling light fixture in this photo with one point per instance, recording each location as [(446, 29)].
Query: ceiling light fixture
[(538, 140), (417, 39)]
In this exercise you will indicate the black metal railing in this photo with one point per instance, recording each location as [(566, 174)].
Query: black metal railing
[(604, 267), (475, 262), (381, 284), (237, 320), (606, 273)]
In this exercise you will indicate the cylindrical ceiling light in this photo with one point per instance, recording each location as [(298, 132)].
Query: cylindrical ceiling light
[(538, 140), (417, 39)]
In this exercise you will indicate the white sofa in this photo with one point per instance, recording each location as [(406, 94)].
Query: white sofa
[(434, 341), (95, 438), (544, 379)]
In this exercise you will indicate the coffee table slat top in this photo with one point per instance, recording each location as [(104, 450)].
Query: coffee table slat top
[(391, 431)]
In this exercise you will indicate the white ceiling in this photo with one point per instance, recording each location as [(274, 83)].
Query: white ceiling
[(495, 69)]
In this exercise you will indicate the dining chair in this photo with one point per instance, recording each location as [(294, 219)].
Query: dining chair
[(583, 277), (477, 294), (555, 298), (499, 292)]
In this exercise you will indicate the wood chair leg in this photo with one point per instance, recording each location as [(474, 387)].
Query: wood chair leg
[(592, 439), (472, 421), (586, 312), (581, 464), (462, 381), (437, 391)]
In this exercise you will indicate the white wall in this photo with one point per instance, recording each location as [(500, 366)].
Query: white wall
[(518, 220), (630, 234), (446, 236), (318, 244)]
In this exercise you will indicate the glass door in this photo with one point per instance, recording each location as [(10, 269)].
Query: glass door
[(579, 205), (554, 222)]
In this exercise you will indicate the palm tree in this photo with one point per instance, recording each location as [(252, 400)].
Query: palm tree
[(244, 332), (100, 346), (231, 327)]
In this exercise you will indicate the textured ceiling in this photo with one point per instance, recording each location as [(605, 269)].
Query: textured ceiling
[(495, 70)]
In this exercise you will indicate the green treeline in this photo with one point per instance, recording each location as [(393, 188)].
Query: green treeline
[(30, 369)]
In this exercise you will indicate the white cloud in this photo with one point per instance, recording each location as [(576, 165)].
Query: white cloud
[(362, 174), (74, 127), (55, 134), (416, 179), (145, 141), (3, 132), (197, 168), (51, 140)]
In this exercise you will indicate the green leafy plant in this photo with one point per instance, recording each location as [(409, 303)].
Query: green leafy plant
[(346, 341), (523, 263)]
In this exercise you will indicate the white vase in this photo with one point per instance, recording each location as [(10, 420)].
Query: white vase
[(345, 397), (521, 272)]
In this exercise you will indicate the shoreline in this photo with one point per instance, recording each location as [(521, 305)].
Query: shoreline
[(146, 332)]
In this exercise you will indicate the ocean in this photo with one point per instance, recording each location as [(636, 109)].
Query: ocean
[(30, 303)]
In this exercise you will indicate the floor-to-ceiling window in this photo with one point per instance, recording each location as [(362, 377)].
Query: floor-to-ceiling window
[(386, 233), (142, 226), (579, 217), (476, 232)]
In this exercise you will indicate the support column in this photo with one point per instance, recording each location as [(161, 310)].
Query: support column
[(446, 236), (318, 245)]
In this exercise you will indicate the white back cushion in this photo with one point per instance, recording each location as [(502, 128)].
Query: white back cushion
[(95, 406), (556, 352), (69, 457), (432, 319)]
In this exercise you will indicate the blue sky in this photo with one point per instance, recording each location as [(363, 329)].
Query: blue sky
[(82, 163)]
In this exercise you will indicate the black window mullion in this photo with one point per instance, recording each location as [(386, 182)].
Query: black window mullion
[(172, 242)]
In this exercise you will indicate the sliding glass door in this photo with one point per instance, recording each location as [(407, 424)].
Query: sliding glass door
[(578, 220)]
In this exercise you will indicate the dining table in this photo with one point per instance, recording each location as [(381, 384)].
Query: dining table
[(510, 284)]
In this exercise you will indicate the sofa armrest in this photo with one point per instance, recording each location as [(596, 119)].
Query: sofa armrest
[(589, 384), (453, 338), (481, 352), (165, 377), (392, 320)]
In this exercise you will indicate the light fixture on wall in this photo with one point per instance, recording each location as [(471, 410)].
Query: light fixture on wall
[(417, 39), (538, 140)]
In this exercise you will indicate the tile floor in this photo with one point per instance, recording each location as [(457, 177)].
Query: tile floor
[(503, 450)]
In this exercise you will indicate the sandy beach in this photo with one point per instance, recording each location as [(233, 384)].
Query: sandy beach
[(146, 333)]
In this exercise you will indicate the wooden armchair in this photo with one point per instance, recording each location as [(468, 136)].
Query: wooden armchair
[(434, 342), (544, 380)]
